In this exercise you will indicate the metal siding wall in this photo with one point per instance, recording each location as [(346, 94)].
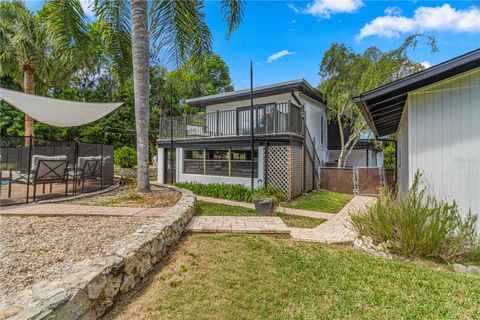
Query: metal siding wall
[(403, 147), (444, 123)]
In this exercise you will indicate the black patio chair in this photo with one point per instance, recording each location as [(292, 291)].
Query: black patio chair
[(43, 172)]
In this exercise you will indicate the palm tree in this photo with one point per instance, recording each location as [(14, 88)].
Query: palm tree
[(23, 48), (35, 51), (176, 28)]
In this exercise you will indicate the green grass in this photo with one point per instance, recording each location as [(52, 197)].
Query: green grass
[(323, 201), (300, 221), (258, 277), (215, 209)]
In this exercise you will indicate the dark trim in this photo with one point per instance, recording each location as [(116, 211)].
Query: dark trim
[(235, 141), (300, 85), (390, 99)]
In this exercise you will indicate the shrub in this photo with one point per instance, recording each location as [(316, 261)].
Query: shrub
[(235, 192), (420, 226), (125, 157), (269, 192)]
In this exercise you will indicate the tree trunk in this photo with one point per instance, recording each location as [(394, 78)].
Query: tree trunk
[(141, 88), (342, 141), (28, 87)]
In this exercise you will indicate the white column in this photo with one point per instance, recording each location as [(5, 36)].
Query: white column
[(260, 168), (160, 165), (179, 159)]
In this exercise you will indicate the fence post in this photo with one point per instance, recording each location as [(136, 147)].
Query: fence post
[(355, 177), (30, 142)]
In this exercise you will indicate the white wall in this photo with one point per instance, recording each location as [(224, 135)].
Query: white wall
[(316, 113), (358, 158), (444, 141), (279, 98), (402, 153)]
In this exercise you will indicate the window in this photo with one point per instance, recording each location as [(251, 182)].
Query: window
[(193, 161), (241, 162), (234, 162), (217, 162)]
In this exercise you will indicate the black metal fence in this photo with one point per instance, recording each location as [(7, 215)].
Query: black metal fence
[(34, 169), (268, 119)]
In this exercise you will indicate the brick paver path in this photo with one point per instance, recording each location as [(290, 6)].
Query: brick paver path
[(237, 224), (61, 209), (336, 229)]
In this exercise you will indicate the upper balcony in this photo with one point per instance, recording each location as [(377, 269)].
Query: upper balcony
[(269, 119)]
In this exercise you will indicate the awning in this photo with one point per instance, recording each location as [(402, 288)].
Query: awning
[(56, 112), (382, 107)]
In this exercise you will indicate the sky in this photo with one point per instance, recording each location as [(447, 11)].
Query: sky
[(286, 40)]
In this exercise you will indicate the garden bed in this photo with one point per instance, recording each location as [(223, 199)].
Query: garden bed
[(38, 248), (127, 196)]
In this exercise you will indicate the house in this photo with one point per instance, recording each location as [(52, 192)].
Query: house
[(289, 139), (365, 153), (435, 114)]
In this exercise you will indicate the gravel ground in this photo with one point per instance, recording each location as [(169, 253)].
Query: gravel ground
[(38, 248)]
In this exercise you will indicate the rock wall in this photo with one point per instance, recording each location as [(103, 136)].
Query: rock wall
[(91, 287)]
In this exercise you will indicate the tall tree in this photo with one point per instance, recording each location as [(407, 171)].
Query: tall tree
[(35, 52), (23, 49), (176, 29), (345, 74)]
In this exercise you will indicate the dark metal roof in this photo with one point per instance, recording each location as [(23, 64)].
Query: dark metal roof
[(300, 85), (382, 107)]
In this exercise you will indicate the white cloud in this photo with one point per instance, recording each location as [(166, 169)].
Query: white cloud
[(393, 11), (294, 8), (443, 18), (87, 6), (426, 64), (278, 55), (325, 8)]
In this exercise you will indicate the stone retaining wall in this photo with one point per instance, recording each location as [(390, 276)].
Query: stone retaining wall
[(91, 287)]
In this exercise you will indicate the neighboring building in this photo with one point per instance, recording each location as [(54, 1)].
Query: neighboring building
[(436, 116), (364, 154), (215, 146)]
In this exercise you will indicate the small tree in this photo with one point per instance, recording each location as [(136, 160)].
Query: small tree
[(345, 74)]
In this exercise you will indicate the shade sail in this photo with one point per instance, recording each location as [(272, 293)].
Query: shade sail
[(56, 112)]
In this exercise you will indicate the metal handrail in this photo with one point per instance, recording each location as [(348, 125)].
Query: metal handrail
[(270, 118)]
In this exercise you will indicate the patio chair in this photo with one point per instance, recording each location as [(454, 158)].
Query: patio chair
[(45, 170), (89, 168)]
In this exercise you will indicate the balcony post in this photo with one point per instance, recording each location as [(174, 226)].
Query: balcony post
[(218, 123)]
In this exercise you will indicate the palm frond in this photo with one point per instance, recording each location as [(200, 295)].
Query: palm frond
[(115, 21), (180, 30), (66, 25), (232, 11)]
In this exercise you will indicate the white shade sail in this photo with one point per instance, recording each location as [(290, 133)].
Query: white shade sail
[(56, 112)]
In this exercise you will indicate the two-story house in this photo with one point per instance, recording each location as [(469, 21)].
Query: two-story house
[(215, 146)]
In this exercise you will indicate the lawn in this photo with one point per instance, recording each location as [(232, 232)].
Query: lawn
[(323, 201), (258, 277), (214, 209)]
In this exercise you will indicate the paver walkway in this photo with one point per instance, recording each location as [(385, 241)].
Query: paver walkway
[(61, 209), (335, 230), (237, 224), (338, 229)]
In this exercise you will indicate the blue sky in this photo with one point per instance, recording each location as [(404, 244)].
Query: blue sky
[(299, 32)]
